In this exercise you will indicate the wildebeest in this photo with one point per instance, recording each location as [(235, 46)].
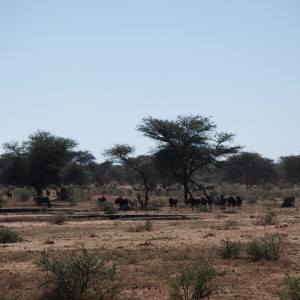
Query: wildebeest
[(193, 202), (222, 200), (210, 201), (239, 201), (42, 201), (231, 201), (173, 203), (288, 202), (101, 199), (204, 201), (9, 195), (123, 203)]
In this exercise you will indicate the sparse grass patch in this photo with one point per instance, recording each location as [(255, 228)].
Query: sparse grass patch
[(227, 225), (209, 234), (58, 219), (175, 223), (8, 235), (220, 216), (147, 226), (230, 211)]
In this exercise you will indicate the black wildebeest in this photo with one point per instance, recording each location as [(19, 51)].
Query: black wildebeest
[(288, 202), (173, 203), (210, 201), (193, 202), (239, 201), (9, 195), (101, 199), (231, 201), (222, 201), (123, 203), (42, 201)]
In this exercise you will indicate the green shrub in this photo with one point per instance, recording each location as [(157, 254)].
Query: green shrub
[(58, 219), (193, 281), (107, 208), (229, 249), (293, 289), (8, 235), (23, 195), (75, 196), (268, 247), (2, 201), (79, 274), (255, 249), (252, 199), (270, 218), (156, 204)]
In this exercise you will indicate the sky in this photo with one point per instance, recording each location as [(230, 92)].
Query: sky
[(92, 70)]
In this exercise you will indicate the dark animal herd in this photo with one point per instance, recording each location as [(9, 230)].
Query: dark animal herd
[(207, 202), (126, 204), (42, 201)]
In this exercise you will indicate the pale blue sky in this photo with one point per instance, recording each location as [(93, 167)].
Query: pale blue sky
[(91, 70)]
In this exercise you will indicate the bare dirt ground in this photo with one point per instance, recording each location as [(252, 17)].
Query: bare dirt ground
[(145, 256)]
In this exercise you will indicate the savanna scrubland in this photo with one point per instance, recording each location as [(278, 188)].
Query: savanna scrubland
[(247, 253)]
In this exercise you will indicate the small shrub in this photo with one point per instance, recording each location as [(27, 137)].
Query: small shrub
[(268, 247), (58, 219), (252, 199), (156, 204), (79, 274), (75, 196), (148, 226), (193, 281), (268, 219), (271, 218), (8, 235), (2, 200), (229, 249), (255, 249), (107, 208), (23, 195), (293, 289)]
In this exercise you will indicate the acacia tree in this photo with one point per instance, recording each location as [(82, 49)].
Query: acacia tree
[(79, 170), (187, 144), (291, 168), (37, 162), (122, 153), (250, 169)]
